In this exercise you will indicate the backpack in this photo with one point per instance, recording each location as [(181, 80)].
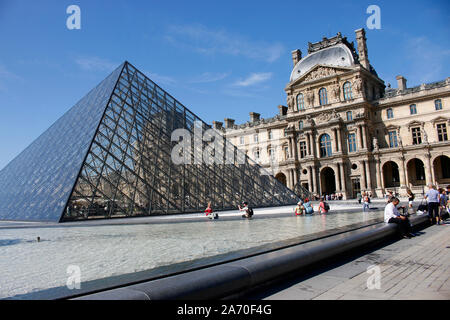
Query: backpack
[(326, 206), (250, 212)]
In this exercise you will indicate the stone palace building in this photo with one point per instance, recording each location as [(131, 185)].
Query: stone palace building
[(344, 131)]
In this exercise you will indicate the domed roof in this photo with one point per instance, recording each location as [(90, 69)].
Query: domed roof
[(338, 55)]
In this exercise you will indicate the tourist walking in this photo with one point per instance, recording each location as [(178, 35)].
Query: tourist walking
[(248, 211), (443, 201), (432, 196), (366, 201), (411, 197), (392, 215)]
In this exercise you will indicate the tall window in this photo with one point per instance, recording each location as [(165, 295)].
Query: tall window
[(255, 138), (389, 113), (286, 152), (438, 104), (256, 154), (442, 132), (351, 142), (302, 149), (348, 91), (349, 116), (323, 96), (393, 139), (413, 109), (300, 125), (300, 102), (241, 140), (272, 154), (416, 135), (325, 146), (270, 133)]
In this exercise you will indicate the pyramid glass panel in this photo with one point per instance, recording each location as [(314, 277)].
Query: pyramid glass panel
[(111, 156), (37, 183)]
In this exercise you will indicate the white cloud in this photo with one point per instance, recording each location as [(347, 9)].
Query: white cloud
[(207, 77), (253, 78), (209, 42), (96, 64), (160, 79)]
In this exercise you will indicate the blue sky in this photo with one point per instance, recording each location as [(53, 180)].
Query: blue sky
[(219, 58)]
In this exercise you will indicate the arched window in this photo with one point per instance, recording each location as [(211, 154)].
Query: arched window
[(348, 91), (389, 113), (438, 104), (323, 96), (300, 125), (325, 145), (412, 109), (300, 102)]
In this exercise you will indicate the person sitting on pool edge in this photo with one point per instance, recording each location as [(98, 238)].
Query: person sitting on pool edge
[(209, 212), (308, 207), (299, 209), (323, 206), (392, 215), (248, 211)]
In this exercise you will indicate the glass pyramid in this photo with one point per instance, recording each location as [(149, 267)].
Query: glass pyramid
[(111, 155)]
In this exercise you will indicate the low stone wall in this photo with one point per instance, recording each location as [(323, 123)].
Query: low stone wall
[(234, 277)]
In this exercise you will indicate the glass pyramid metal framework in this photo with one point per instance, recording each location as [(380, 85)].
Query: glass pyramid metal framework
[(110, 156)]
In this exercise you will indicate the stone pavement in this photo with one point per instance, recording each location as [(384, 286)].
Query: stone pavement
[(412, 269)]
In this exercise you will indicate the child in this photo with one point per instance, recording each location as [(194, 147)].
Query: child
[(209, 212), (299, 209)]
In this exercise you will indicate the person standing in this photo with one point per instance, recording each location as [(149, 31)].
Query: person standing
[(432, 196), (443, 199), (366, 201), (392, 215), (411, 197)]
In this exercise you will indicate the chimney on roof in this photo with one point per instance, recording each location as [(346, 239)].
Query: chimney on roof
[(401, 82), (296, 56), (283, 110), (254, 117), (217, 125), (362, 48), (229, 123)]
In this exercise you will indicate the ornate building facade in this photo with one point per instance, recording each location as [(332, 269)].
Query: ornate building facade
[(344, 131)]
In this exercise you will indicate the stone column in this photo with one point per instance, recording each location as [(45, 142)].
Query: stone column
[(402, 173), (428, 169), (308, 143), (378, 173), (315, 182), (336, 177), (364, 136), (295, 176), (339, 139), (343, 179), (363, 175), (368, 176), (311, 185), (289, 179), (358, 138), (317, 146), (336, 144)]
